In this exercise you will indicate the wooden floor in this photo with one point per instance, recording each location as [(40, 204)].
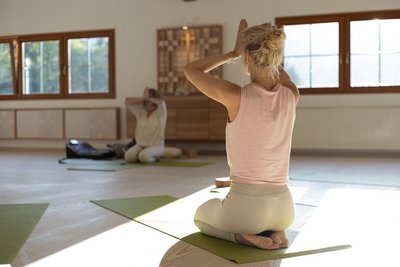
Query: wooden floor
[(75, 232)]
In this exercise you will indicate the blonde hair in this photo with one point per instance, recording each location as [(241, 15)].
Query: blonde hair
[(264, 44)]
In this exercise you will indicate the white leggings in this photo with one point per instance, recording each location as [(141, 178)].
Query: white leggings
[(247, 209), (144, 154)]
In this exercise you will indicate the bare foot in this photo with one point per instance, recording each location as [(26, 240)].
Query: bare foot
[(279, 237), (262, 242)]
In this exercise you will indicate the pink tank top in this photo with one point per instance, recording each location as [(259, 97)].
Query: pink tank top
[(259, 139)]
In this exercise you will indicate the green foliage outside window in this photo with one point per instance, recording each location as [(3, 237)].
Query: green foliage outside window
[(60, 65)]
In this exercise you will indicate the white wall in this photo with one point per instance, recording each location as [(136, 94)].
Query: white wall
[(136, 22)]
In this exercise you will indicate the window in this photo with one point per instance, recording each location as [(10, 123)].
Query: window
[(312, 54), (7, 71), (343, 53), (40, 67), (60, 65), (88, 65), (375, 53)]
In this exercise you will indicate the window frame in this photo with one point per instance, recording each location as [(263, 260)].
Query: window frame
[(344, 20), (10, 40), (111, 62), (63, 38)]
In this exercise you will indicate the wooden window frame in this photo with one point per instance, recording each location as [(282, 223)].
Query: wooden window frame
[(10, 41), (344, 20), (63, 38)]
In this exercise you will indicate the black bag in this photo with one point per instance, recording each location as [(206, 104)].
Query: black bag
[(77, 149)]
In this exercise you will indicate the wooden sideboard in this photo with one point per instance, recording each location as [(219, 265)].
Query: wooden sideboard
[(190, 118)]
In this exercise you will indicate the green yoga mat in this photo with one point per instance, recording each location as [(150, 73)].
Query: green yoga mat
[(92, 165), (244, 254), (134, 207), (17, 222), (175, 218)]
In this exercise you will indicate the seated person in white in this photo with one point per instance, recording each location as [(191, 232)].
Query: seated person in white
[(151, 118)]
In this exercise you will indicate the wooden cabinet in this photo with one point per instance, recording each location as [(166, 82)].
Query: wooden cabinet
[(218, 117), (190, 118)]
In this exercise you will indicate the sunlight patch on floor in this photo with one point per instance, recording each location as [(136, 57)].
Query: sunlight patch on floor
[(298, 192), (130, 244), (368, 220)]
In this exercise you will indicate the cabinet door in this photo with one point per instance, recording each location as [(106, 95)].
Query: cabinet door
[(192, 124), (40, 124), (170, 129), (7, 124), (92, 123), (218, 118), (130, 124)]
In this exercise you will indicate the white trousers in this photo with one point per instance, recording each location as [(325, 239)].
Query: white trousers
[(247, 209), (144, 154)]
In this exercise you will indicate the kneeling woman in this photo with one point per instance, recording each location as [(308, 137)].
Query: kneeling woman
[(259, 205), (151, 118)]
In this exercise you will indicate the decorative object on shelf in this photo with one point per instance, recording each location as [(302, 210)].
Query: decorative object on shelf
[(177, 47)]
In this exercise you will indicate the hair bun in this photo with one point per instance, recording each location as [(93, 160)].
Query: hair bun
[(264, 43), (275, 38)]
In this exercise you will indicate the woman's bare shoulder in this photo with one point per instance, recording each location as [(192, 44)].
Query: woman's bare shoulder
[(285, 80)]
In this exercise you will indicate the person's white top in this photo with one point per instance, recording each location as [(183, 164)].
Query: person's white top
[(150, 131)]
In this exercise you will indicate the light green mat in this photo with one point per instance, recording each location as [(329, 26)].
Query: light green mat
[(103, 168), (17, 222), (117, 165), (134, 207), (385, 180), (175, 218), (84, 161), (244, 254)]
